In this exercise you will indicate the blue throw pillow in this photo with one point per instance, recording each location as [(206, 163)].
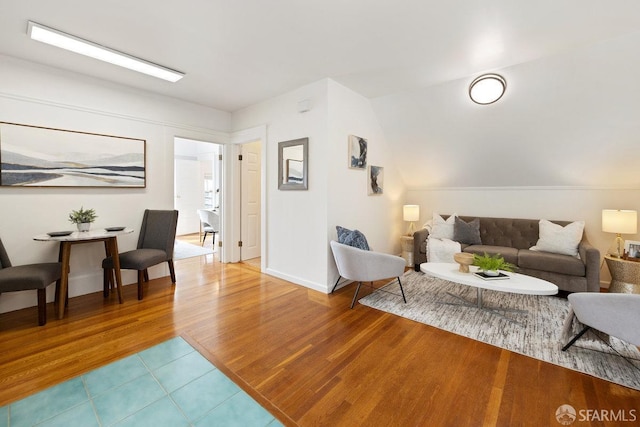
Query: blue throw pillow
[(353, 238)]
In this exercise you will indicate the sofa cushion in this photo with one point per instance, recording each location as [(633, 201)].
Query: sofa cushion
[(555, 263), (558, 239), (467, 232), (509, 254), (441, 228)]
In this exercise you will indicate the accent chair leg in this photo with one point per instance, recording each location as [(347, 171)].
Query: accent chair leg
[(172, 271), (204, 238), (146, 275), (334, 286), (140, 281), (42, 307), (402, 290), (574, 339), (355, 296)]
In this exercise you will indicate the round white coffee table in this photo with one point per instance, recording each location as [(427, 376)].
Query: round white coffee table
[(515, 283)]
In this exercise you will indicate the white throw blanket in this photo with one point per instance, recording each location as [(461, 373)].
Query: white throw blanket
[(441, 250)]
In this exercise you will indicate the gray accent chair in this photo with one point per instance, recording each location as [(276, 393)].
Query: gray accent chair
[(617, 315), (360, 266), (27, 277), (210, 221), (155, 245)]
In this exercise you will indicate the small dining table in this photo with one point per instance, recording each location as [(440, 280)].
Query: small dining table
[(110, 238)]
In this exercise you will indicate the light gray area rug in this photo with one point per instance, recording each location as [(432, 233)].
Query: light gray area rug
[(539, 334), (183, 250)]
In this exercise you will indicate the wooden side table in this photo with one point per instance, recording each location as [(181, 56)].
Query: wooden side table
[(625, 275), (407, 249)]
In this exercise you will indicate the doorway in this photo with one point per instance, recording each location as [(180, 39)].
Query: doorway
[(197, 185)]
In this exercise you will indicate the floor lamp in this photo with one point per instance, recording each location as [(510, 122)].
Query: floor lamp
[(619, 222)]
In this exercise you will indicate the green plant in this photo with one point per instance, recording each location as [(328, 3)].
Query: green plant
[(487, 262), (82, 216)]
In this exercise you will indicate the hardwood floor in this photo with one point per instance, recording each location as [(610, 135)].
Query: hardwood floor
[(304, 355)]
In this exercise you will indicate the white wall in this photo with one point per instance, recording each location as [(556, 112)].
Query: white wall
[(301, 223), (295, 220), (42, 96), (379, 217)]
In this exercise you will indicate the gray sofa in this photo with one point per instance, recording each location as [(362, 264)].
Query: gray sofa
[(512, 239)]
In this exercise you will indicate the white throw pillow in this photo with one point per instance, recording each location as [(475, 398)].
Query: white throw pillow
[(441, 229), (558, 239)]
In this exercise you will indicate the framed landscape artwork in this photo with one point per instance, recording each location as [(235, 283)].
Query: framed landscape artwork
[(375, 180), (357, 152), (34, 156)]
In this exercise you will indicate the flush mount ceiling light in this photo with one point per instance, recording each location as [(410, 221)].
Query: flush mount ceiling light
[(487, 88), (84, 47)]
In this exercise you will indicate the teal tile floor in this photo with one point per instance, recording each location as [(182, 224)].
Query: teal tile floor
[(170, 385)]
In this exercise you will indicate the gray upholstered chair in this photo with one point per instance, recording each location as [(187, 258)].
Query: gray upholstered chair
[(360, 266), (210, 221), (27, 277), (615, 314), (155, 246)]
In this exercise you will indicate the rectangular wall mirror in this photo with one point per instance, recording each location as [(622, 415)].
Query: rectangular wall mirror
[(293, 164)]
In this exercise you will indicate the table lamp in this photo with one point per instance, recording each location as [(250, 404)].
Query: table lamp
[(619, 222), (410, 213)]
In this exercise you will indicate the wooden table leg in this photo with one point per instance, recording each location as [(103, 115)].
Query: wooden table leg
[(65, 253), (113, 245)]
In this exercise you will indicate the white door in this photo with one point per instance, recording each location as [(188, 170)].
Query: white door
[(250, 201)]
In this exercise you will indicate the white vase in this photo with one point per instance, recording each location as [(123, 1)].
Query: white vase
[(492, 273), (84, 226)]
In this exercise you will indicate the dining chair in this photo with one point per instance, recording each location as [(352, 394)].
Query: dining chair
[(27, 277), (210, 221), (360, 265), (155, 246)]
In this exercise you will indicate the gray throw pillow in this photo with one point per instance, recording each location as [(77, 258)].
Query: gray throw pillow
[(467, 232), (353, 238)]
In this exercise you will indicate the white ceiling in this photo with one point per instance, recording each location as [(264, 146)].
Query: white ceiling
[(237, 53)]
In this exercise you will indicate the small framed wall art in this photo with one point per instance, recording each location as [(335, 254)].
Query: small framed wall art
[(375, 180), (293, 164), (357, 152)]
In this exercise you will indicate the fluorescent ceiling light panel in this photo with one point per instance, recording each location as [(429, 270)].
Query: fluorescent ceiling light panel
[(84, 47)]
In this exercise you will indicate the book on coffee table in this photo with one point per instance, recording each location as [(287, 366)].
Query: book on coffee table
[(483, 276)]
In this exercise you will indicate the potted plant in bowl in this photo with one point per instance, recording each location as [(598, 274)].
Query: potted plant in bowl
[(490, 265), (83, 218)]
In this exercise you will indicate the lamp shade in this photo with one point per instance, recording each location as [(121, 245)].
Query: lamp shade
[(619, 221), (411, 212)]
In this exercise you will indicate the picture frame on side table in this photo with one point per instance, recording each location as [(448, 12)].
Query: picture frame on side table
[(632, 250)]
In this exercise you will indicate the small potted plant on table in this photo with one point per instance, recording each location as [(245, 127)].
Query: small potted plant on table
[(83, 218), (490, 265)]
